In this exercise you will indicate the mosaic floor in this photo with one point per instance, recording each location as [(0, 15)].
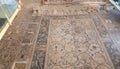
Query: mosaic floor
[(62, 38), (75, 44)]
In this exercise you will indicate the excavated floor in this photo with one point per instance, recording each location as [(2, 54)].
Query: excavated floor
[(62, 37)]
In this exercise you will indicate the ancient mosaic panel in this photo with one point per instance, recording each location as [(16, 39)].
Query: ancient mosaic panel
[(74, 44)]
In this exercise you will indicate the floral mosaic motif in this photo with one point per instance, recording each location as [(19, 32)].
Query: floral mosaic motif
[(74, 44)]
